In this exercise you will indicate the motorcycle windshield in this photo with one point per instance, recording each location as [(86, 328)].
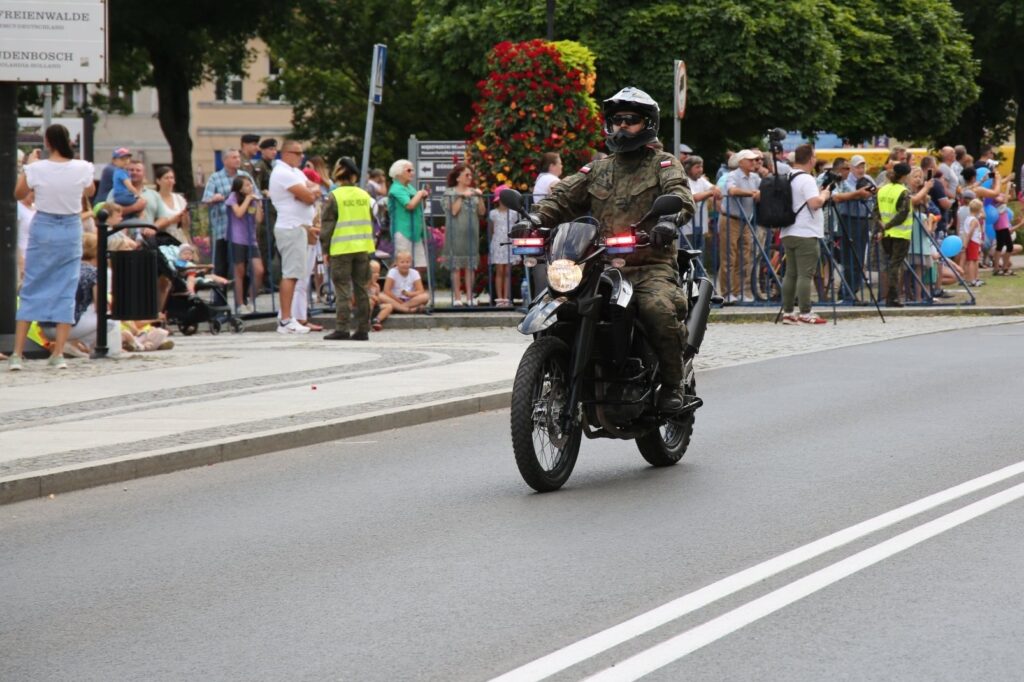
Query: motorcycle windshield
[(572, 241)]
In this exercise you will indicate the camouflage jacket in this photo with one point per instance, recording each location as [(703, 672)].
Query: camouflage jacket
[(618, 191)]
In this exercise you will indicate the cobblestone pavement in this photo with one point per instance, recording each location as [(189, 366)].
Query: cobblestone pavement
[(215, 387)]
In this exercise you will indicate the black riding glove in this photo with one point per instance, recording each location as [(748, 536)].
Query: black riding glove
[(663, 234), (524, 228)]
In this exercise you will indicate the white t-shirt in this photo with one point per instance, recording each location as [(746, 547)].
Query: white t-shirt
[(59, 185), (402, 282), (542, 187), (25, 215), (290, 211), (979, 234), (701, 184), (809, 222)]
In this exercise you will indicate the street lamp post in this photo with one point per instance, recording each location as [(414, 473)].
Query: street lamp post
[(551, 20)]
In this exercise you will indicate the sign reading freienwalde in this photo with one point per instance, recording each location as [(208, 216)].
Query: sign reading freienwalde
[(55, 42)]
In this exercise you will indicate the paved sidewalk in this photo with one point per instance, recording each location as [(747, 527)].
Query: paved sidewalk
[(216, 398)]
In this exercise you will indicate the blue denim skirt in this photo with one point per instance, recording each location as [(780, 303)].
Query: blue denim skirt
[(52, 264)]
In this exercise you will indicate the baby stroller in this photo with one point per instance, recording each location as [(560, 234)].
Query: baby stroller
[(188, 310)]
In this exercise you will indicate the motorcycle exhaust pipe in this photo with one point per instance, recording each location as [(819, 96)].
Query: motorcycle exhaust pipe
[(697, 320)]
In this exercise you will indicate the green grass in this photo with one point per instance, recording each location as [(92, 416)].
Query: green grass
[(1001, 291)]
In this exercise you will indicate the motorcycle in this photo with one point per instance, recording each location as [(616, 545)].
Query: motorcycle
[(591, 370)]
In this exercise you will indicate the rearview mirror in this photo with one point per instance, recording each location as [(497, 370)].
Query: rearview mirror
[(512, 199), (667, 204)]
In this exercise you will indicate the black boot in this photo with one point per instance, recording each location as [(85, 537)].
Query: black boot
[(337, 335), (671, 399), (361, 336)]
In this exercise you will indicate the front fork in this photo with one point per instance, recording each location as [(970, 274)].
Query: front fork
[(589, 311)]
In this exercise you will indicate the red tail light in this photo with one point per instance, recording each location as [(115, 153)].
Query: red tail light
[(528, 241), (621, 240)]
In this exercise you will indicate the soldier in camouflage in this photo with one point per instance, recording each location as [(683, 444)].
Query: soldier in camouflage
[(618, 191)]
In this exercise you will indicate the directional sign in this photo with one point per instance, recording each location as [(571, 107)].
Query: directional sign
[(380, 58), (434, 160)]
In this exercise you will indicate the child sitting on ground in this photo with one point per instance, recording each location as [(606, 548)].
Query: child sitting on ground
[(380, 309), (403, 288), (193, 272)]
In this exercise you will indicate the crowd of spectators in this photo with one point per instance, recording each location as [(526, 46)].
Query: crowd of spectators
[(275, 225)]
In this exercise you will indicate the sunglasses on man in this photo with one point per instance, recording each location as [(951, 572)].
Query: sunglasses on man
[(627, 119)]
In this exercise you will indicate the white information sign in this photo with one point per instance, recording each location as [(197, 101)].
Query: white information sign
[(53, 42)]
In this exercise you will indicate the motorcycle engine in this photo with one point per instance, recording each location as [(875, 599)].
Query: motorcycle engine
[(627, 385)]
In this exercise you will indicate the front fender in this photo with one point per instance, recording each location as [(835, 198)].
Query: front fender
[(540, 316)]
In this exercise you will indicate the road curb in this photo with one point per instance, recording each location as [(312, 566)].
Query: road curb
[(115, 470)]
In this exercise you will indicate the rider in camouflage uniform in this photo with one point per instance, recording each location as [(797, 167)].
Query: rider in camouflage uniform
[(618, 191)]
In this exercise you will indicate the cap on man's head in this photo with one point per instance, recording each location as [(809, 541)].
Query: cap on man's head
[(857, 160), (121, 152), (745, 155), (685, 149), (250, 138), (268, 143)]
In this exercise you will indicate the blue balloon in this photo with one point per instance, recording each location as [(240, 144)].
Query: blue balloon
[(991, 216), (951, 246)]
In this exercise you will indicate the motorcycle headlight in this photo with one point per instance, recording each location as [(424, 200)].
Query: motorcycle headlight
[(564, 275)]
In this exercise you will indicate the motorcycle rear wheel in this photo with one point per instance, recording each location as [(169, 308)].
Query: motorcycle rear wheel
[(544, 452), (667, 444)]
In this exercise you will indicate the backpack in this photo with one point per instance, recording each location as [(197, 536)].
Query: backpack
[(775, 210)]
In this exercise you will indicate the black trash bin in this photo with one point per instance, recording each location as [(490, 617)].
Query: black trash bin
[(133, 287)]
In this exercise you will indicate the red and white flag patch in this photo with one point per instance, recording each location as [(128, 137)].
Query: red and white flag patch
[(666, 163), (585, 169)]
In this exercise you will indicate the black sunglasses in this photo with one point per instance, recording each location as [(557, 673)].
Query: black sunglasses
[(627, 119)]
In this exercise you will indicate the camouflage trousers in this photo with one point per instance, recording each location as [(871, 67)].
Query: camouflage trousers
[(896, 251), (349, 274), (661, 307)]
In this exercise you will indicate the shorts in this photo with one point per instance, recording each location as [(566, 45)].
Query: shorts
[(973, 251), (419, 254), (1004, 241), (240, 253), (291, 243)]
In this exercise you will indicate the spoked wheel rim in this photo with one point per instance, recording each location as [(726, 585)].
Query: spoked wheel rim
[(549, 439)]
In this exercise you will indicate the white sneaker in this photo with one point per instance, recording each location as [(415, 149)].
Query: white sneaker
[(293, 327), (244, 309), (732, 298)]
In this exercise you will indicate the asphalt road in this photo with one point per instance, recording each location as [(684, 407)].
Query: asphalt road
[(418, 554)]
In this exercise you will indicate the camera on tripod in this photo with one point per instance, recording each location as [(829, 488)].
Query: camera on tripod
[(829, 180), (775, 138)]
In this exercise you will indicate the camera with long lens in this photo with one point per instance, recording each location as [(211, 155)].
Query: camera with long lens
[(775, 138), (829, 180)]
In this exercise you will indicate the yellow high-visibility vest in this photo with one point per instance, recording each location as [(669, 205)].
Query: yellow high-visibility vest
[(353, 233), (888, 196)]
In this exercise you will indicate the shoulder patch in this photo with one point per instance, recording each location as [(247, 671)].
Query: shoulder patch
[(665, 164), (585, 169)]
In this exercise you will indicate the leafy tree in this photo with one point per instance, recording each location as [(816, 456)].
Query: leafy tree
[(532, 102), (996, 26), (326, 51), (907, 69), (175, 47)]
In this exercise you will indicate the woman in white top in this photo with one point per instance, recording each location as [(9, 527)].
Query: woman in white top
[(54, 243), (551, 163), (174, 216)]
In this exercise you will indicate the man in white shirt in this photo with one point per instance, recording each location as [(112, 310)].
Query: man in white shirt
[(801, 239), (293, 199), (703, 194)]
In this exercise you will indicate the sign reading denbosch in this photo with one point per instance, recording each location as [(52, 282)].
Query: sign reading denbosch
[(53, 42)]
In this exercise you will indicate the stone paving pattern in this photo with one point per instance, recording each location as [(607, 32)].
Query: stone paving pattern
[(214, 387)]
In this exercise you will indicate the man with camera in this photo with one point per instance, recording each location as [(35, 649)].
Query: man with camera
[(850, 209), (801, 240)]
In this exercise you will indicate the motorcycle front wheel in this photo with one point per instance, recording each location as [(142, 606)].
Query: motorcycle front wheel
[(545, 452), (667, 444)]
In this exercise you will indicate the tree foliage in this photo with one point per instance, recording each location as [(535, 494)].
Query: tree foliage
[(326, 51), (175, 47), (530, 103), (996, 26)]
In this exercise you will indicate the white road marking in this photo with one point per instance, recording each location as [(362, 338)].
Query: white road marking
[(671, 650), (597, 643)]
